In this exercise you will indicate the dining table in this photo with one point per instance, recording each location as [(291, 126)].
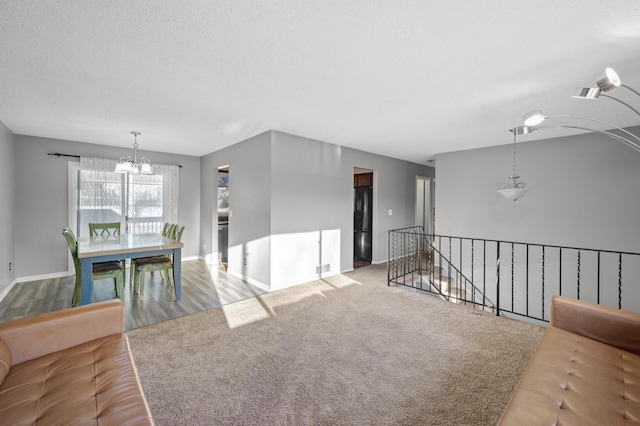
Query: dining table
[(126, 246)]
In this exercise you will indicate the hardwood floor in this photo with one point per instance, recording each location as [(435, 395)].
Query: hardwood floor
[(203, 287)]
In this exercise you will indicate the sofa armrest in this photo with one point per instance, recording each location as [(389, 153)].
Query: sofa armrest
[(614, 327), (32, 337)]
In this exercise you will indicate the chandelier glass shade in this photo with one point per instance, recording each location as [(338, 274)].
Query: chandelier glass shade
[(127, 165)]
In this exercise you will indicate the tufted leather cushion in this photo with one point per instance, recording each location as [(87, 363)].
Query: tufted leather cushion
[(5, 360), (92, 383), (611, 326), (573, 380)]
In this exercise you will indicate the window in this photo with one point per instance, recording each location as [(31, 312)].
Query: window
[(141, 203)]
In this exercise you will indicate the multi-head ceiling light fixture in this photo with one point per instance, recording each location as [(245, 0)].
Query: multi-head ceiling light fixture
[(127, 165), (606, 81)]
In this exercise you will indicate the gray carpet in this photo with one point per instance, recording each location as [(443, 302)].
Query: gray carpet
[(347, 350)]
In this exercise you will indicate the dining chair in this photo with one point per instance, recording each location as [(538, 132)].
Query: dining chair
[(162, 263), (102, 270), (108, 229), (167, 230)]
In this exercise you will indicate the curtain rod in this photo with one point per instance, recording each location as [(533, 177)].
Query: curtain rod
[(57, 154)]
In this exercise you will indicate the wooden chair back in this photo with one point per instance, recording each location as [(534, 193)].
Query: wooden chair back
[(104, 229)]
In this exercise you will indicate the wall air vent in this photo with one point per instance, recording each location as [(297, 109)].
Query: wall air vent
[(321, 269)]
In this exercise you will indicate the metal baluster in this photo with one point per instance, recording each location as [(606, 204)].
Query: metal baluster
[(460, 268), (390, 257), (543, 247), (416, 259), (395, 256), (449, 268), (498, 279), (512, 277), (411, 259), (560, 272), (440, 268), (527, 283), (459, 272), (598, 280), (473, 285), (578, 280), (620, 281), (484, 272)]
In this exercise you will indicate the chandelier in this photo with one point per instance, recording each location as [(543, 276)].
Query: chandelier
[(515, 189), (127, 165)]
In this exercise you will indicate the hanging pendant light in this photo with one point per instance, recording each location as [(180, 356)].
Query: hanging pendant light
[(515, 189), (127, 165)]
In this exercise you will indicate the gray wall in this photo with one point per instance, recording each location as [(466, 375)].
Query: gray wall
[(309, 201), (41, 200), (584, 192), (249, 202), (394, 189), (7, 207)]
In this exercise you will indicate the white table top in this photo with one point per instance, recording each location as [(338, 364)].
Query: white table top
[(125, 243)]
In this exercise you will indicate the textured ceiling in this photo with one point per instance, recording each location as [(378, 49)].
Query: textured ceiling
[(406, 79)]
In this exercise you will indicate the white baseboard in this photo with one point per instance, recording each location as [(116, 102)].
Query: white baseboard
[(45, 276), (251, 281), (69, 273), (8, 289), (378, 262)]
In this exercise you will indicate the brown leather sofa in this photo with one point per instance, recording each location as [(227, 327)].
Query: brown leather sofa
[(70, 367), (585, 370)]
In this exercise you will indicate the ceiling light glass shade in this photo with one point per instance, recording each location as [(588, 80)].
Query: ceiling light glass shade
[(586, 93), (533, 118), (119, 168), (608, 80), (513, 194), (124, 165), (145, 167)]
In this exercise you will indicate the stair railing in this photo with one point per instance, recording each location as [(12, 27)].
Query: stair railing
[(520, 277), (407, 266), (478, 296)]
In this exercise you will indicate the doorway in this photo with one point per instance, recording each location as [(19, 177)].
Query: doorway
[(223, 217), (362, 217), (425, 208)]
